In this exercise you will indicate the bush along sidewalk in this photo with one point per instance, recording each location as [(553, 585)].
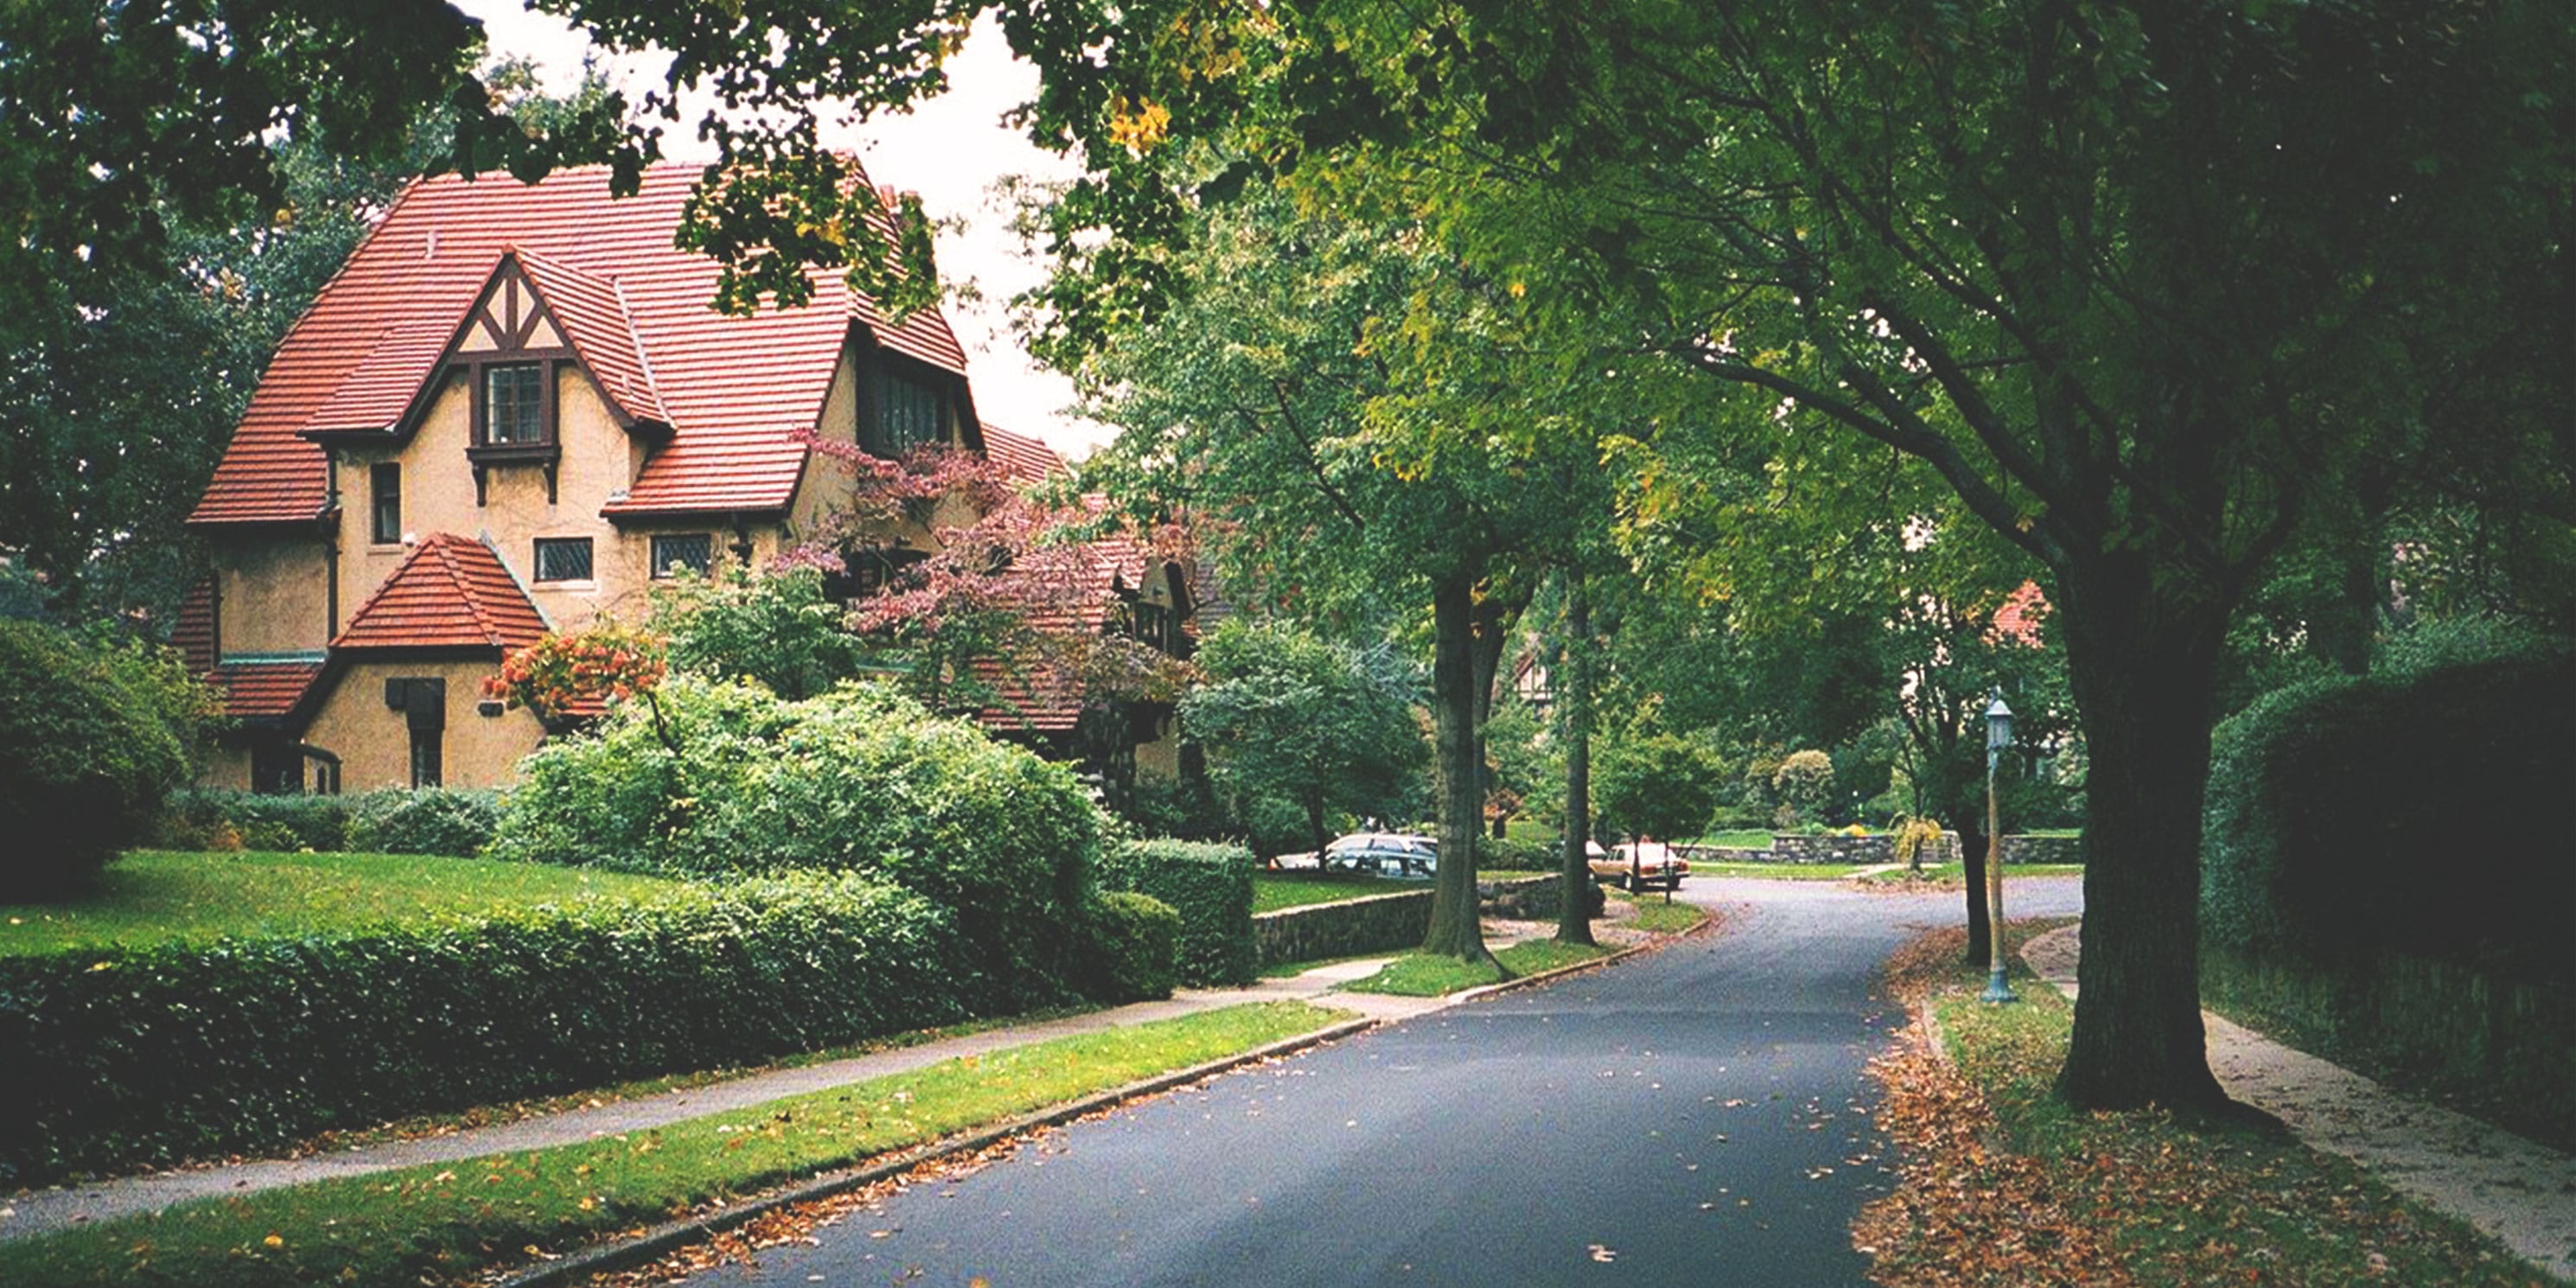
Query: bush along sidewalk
[(1210, 886), (446, 1222), (156, 1054)]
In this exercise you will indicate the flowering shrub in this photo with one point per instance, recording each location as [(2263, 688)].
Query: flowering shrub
[(563, 676), (1914, 837)]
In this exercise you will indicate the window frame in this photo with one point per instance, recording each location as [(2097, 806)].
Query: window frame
[(880, 379), (661, 570), (384, 503), (541, 373), (537, 548)]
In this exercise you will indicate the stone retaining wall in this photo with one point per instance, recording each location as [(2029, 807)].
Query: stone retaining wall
[(1379, 923), (1836, 849)]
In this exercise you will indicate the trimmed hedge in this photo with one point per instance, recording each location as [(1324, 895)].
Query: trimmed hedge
[(396, 820), (160, 1054), (1133, 937), (1210, 886), (2415, 811)]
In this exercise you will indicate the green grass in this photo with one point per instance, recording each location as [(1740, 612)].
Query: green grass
[(1738, 839), (445, 1222), (1423, 976), (1668, 918), (2184, 1203), (155, 896), (1779, 871), (1272, 891)]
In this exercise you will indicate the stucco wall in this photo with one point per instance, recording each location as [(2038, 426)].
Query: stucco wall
[(374, 741), (272, 596)]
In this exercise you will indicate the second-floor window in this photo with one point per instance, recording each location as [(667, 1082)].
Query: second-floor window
[(907, 412), (514, 405), (563, 558), (384, 503)]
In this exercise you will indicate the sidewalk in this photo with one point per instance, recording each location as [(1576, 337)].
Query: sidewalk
[(46, 1210), (2520, 1192)]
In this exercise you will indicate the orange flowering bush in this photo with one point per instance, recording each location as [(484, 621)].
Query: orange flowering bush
[(579, 674)]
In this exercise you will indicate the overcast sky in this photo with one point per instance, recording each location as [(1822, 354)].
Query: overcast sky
[(950, 150)]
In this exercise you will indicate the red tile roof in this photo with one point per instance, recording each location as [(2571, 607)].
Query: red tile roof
[(735, 391), (1027, 459), (257, 690), (451, 592), (194, 633), (2019, 618)]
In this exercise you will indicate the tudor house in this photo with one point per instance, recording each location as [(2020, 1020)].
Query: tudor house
[(511, 411)]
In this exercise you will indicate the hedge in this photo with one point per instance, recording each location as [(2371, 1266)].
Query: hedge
[(88, 751), (2415, 811), (1210, 886), (397, 820), (153, 1055), (1132, 948)]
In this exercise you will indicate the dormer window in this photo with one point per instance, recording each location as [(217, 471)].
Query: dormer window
[(514, 405), (910, 407)]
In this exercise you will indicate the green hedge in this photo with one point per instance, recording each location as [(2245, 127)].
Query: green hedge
[(153, 1055), (2417, 811), (91, 741), (859, 779), (1519, 854), (426, 820), (1210, 885), (1132, 948)]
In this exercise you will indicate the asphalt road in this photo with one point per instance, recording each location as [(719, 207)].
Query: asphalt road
[(1692, 1116)]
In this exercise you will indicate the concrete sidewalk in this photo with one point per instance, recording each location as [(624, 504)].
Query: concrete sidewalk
[(41, 1211), (2522, 1193)]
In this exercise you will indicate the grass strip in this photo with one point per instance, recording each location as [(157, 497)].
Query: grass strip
[(442, 1223), (1425, 976), (1779, 871), (2004, 1183), (152, 897), (1272, 891), (1668, 918), (1951, 874)]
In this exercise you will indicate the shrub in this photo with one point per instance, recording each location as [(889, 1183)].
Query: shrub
[(1915, 838), (2353, 816), (91, 742), (1519, 854), (201, 819), (1805, 782), (423, 820), (728, 779), (1130, 952), (1209, 887), (152, 1055)]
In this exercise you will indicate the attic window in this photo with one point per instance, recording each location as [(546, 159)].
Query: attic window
[(907, 411), (514, 405)]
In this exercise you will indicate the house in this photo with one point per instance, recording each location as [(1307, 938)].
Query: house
[(513, 410)]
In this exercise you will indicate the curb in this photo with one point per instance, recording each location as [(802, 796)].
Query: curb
[(623, 1253)]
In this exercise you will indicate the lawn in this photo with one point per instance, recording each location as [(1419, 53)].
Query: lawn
[(2002, 1183), (1421, 976), (445, 1222), (1779, 871), (1953, 874), (1741, 839), (155, 896), (1272, 891)]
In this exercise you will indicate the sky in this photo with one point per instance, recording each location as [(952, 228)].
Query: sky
[(951, 150)]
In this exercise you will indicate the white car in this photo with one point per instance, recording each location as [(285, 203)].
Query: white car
[(1640, 865)]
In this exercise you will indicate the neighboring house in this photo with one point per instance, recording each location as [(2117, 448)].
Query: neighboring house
[(511, 411)]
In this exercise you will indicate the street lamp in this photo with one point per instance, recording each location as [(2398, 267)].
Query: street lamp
[(1998, 737)]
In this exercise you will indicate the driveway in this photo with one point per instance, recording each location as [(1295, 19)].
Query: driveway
[(1692, 1116)]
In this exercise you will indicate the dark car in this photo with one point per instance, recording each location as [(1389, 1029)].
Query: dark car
[(1401, 855)]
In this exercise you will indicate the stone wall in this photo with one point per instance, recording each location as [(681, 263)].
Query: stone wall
[(1381, 923)]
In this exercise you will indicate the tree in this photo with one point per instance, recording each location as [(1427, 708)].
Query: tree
[(775, 627), (1651, 783), (1325, 726)]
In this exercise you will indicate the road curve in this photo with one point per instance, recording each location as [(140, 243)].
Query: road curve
[(1694, 1116)]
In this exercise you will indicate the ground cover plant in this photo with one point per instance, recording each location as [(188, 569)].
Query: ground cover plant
[(1668, 918), (156, 897), (442, 1223), (1272, 891), (2002, 1183), (1780, 871), (1948, 876)]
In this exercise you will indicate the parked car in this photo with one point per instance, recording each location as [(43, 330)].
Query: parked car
[(1402, 855), (1639, 865)]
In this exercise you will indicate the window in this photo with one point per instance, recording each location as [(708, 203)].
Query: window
[(563, 558), (909, 412), (514, 404), (694, 551), (384, 504)]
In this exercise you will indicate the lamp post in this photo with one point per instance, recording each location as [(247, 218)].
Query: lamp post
[(1998, 737)]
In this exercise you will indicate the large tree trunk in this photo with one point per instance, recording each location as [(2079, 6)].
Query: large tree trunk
[(1454, 930), (2142, 648), (1574, 696)]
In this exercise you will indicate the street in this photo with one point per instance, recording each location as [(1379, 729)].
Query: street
[(1691, 1116)]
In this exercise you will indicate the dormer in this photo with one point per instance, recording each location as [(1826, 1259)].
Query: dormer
[(510, 351), (905, 402)]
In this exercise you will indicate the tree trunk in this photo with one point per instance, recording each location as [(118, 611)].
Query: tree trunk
[(1972, 858), (1315, 828), (2142, 647), (1574, 696), (1454, 930)]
